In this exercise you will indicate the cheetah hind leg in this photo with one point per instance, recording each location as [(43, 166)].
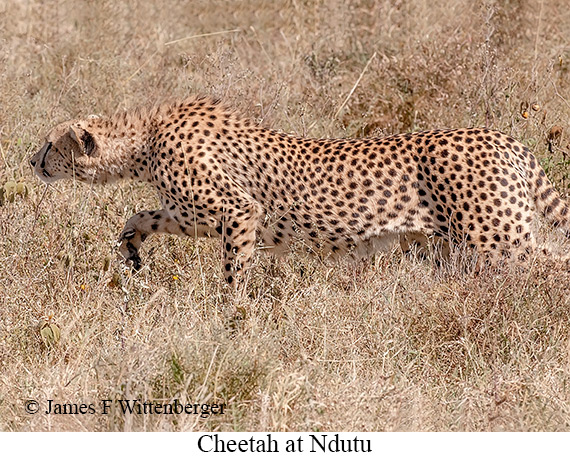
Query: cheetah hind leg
[(139, 227)]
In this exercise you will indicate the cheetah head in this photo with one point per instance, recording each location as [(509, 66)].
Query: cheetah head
[(68, 152)]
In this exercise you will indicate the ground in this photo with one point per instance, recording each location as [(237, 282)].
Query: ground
[(390, 344)]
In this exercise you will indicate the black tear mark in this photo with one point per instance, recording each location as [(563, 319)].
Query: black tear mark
[(46, 150)]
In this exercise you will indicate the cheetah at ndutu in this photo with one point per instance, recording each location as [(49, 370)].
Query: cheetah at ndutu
[(219, 174)]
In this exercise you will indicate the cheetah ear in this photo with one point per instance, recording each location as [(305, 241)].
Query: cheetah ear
[(84, 139)]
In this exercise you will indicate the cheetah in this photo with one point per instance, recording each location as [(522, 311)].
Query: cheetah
[(222, 175)]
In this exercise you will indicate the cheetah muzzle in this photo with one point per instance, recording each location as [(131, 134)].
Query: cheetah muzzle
[(128, 249), (220, 175)]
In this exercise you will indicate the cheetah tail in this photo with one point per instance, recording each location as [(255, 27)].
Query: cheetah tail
[(548, 201)]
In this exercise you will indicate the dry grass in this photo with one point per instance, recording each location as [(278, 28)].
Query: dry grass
[(394, 344)]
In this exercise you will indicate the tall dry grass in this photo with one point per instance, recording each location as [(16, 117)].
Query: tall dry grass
[(391, 344)]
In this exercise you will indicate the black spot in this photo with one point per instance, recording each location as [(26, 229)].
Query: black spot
[(89, 146)]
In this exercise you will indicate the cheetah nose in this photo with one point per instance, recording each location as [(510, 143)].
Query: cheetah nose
[(33, 162)]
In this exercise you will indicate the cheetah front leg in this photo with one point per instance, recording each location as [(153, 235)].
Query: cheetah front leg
[(239, 227), (139, 227)]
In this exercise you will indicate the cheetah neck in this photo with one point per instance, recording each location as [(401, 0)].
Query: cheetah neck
[(123, 144)]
